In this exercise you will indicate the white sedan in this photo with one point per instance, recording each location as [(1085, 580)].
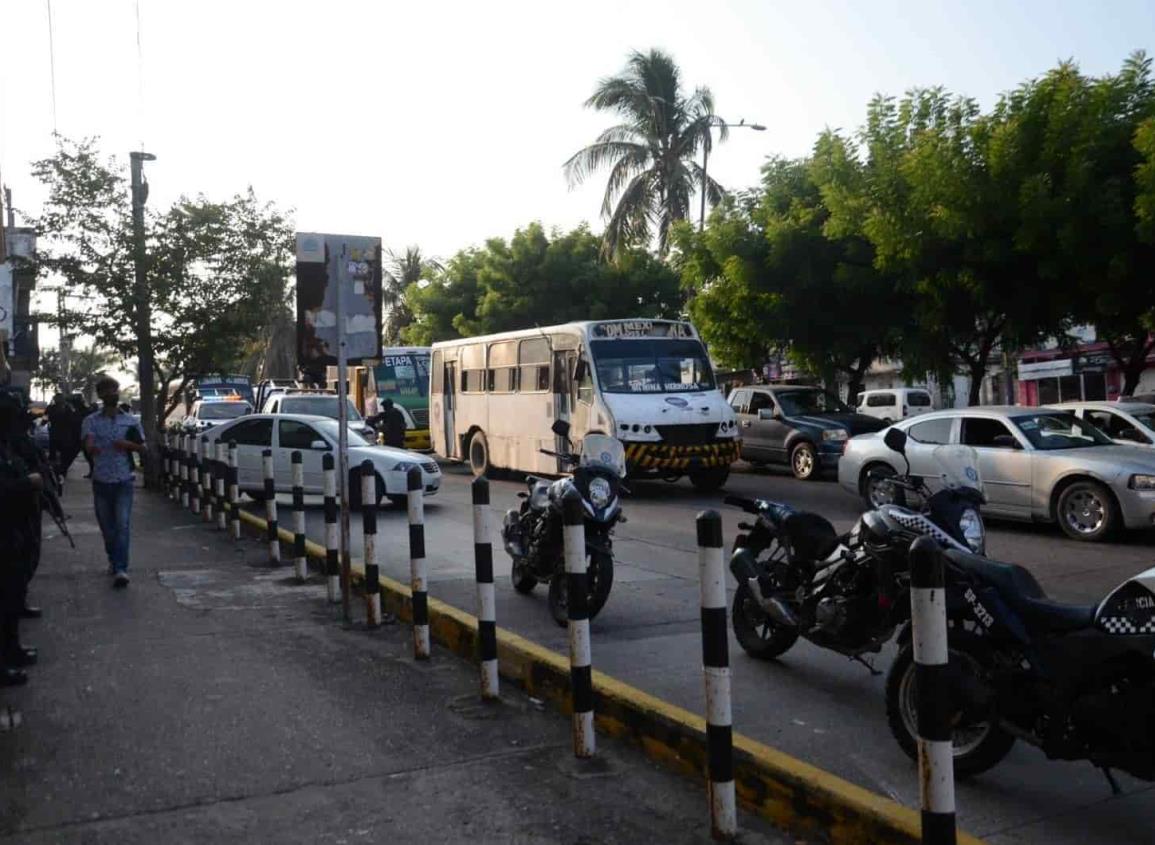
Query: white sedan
[(314, 437)]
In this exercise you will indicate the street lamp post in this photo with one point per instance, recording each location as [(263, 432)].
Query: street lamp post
[(716, 121), (143, 303)]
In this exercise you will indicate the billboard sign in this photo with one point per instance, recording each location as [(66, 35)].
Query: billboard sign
[(325, 261)]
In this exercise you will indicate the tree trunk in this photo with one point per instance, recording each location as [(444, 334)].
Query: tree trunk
[(977, 369), (1134, 363)]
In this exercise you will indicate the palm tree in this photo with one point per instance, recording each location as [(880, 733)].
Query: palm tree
[(401, 270), (652, 154)]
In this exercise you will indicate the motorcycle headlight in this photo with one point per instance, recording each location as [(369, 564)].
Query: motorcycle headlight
[(600, 493), (835, 434), (971, 525)]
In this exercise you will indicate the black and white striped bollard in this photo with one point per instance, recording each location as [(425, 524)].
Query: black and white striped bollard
[(300, 562), (577, 601), (207, 480), (332, 535), (173, 468), (271, 507), (418, 572), (716, 667), (234, 491), (931, 657), (219, 480), (194, 475), (182, 457), (368, 480), (486, 599)]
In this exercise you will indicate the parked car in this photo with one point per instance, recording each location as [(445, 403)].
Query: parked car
[(1124, 422), (1145, 398), (895, 403), (1041, 464), (314, 436), (801, 426), (207, 413), (320, 403)]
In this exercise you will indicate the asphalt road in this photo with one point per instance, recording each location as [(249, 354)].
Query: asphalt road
[(813, 704)]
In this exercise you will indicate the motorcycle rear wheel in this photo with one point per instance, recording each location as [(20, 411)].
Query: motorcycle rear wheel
[(523, 582), (759, 637), (976, 748), (601, 579)]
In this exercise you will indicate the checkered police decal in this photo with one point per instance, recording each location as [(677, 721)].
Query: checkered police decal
[(1126, 625)]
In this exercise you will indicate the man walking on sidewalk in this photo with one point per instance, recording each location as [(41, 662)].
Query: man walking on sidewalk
[(110, 437)]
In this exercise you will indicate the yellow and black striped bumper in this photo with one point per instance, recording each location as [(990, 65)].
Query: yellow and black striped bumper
[(661, 456)]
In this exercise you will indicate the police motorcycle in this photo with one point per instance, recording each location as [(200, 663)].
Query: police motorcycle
[(1076, 681), (797, 577), (533, 535)]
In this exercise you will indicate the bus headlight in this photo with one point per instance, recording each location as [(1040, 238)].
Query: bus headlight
[(600, 493), (971, 525)]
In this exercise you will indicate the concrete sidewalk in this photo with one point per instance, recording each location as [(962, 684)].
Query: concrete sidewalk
[(216, 700)]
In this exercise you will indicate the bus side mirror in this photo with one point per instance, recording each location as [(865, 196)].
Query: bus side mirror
[(560, 428), (579, 370)]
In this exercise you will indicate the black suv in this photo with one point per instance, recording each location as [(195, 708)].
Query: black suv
[(801, 426)]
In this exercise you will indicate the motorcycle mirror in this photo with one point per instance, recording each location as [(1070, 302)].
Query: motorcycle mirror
[(895, 440), (560, 428)]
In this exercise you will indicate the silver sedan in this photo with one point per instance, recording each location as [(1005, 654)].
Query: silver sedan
[(1038, 464)]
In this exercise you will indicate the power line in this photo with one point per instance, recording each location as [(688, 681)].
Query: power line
[(52, 62)]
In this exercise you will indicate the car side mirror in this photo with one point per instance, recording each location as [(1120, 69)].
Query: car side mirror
[(767, 414), (895, 440), (560, 428), (1005, 441), (319, 445)]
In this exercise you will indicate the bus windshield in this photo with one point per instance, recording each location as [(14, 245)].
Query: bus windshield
[(403, 375), (656, 365)]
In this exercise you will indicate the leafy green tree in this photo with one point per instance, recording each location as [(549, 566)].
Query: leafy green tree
[(652, 154), (401, 271), (217, 271), (538, 279), (48, 376), (768, 277)]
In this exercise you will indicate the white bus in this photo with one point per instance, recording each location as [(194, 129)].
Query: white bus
[(649, 382)]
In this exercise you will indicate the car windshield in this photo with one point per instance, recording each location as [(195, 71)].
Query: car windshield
[(1147, 420), (652, 366), (329, 429), (322, 406), (224, 410), (797, 402), (1058, 430)]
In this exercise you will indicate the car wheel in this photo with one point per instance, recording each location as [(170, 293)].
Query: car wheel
[(877, 489), (804, 461), (1086, 511), (479, 454)]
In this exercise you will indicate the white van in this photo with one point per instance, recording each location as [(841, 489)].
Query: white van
[(895, 403)]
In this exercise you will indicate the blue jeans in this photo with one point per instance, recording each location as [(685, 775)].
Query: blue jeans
[(114, 513)]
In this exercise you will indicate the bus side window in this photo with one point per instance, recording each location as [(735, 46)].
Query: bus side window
[(533, 365)]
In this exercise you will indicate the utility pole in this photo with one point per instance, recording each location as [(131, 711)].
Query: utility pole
[(143, 315)]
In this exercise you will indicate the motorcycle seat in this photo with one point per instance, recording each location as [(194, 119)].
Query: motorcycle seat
[(1019, 589)]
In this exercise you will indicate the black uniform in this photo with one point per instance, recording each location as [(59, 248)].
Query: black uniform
[(19, 533), (391, 422)]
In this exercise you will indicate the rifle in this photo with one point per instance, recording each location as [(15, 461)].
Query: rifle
[(50, 496)]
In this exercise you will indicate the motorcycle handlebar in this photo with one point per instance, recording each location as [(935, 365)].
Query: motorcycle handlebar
[(748, 505)]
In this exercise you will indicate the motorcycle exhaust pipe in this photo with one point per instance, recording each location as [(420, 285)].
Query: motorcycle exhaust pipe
[(745, 570)]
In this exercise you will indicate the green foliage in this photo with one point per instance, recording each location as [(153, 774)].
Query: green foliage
[(217, 271), (652, 155), (402, 270), (768, 276), (538, 279)]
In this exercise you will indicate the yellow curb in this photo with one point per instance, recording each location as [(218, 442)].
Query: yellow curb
[(789, 792)]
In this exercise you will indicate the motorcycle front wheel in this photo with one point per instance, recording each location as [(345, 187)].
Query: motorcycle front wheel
[(977, 746), (601, 579), (523, 581), (759, 636)]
